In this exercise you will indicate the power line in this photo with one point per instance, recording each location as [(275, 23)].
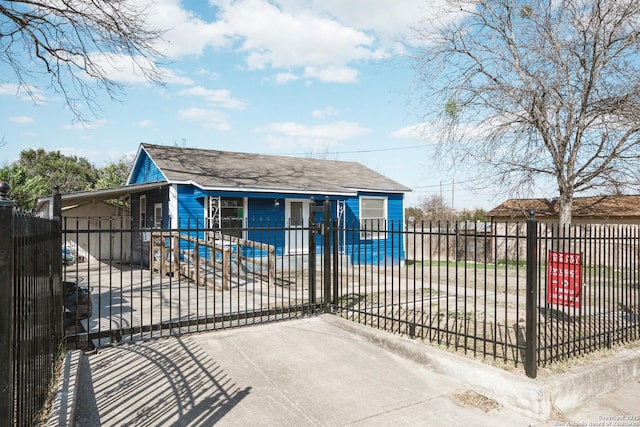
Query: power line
[(442, 184), (373, 150)]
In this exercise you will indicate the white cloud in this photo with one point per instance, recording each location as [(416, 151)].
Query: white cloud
[(9, 89), (208, 117), (291, 135), (217, 97), (333, 74), (417, 132), (186, 35), (25, 92), (283, 78), (389, 20), (325, 38), (144, 123), (129, 70), (21, 119), (206, 72), (87, 125), (434, 132), (327, 111)]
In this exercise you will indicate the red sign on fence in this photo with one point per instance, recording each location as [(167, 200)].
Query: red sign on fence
[(564, 279)]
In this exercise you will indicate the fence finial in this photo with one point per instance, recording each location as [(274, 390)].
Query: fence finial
[(532, 214), (4, 190)]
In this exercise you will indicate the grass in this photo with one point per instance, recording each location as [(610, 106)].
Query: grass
[(42, 418), (602, 271), (509, 265)]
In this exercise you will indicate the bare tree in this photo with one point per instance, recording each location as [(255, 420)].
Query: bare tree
[(531, 90), (76, 43), (436, 209)]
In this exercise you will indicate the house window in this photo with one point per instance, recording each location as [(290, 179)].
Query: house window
[(296, 214), (373, 218), (226, 214)]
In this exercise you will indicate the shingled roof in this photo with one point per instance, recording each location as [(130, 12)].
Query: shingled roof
[(245, 171), (583, 207)]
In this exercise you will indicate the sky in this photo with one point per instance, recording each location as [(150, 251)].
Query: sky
[(323, 78)]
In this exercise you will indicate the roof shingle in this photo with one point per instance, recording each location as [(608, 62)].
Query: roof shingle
[(588, 207), (224, 169)]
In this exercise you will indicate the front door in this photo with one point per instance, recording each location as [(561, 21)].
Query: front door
[(297, 223)]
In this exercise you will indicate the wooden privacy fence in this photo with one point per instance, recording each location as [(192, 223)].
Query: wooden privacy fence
[(603, 245), (202, 260), (599, 244), (448, 241)]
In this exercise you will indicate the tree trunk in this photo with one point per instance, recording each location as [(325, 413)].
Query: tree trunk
[(565, 203)]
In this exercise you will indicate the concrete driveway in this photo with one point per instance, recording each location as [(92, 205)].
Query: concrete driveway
[(313, 371)]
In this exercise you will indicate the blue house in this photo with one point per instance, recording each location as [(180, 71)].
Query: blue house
[(237, 192)]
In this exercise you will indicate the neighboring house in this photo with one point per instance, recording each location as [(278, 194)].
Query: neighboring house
[(591, 216), (586, 210), (198, 188)]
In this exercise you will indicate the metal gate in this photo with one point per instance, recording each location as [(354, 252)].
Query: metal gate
[(196, 279)]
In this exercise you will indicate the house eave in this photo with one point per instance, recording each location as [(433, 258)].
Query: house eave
[(264, 190), (281, 190)]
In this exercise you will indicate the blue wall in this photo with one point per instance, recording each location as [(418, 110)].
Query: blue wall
[(376, 251), (266, 222), (145, 171)]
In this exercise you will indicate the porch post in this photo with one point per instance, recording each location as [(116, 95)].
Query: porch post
[(6, 306)]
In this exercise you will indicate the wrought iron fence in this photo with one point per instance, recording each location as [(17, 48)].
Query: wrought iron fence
[(185, 280), (476, 289), (493, 291), (589, 293), (453, 289), (31, 303)]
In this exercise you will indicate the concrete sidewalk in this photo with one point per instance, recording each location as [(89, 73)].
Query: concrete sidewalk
[(321, 371)]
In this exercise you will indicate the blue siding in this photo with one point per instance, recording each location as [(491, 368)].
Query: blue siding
[(376, 251), (265, 223), (190, 207), (145, 171), (191, 216)]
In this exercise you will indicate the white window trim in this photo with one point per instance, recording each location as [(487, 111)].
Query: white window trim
[(374, 235), (142, 218), (157, 222)]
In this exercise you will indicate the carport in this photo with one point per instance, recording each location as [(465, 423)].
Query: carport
[(106, 211)]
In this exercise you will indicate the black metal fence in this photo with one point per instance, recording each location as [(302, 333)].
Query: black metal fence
[(523, 293), (457, 288), (526, 294), (31, 307), (191, 280)]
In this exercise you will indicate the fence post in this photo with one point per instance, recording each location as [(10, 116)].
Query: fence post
[(530, 355), (336, 261), (56, 288), (326, 274), (6, 306), (312, 253)]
